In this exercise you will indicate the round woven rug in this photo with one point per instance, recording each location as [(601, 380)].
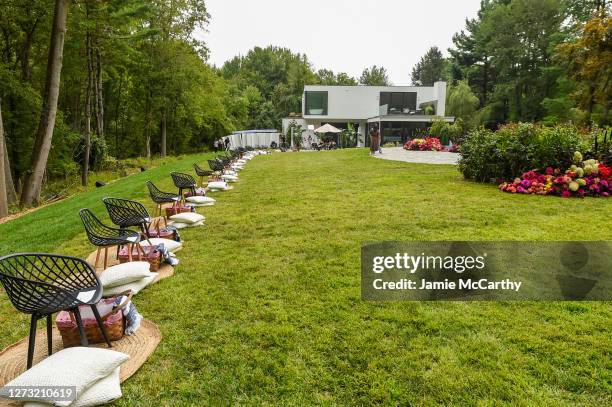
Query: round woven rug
[(164, 271), (139, 346)]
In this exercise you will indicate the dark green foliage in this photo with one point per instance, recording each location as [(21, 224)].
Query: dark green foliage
[(517, 148)]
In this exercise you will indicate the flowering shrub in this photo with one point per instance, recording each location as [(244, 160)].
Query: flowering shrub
[(589, 179), (424, 144)]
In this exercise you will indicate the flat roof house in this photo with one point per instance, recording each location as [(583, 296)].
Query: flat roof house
[(401, 112)]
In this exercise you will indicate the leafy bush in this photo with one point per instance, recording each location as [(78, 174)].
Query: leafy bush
[(446, 131), (517, 148)]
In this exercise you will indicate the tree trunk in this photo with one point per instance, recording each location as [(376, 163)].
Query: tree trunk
[(99, 95), (163, 132), (3, 195), (40, 154), (11, 193), (90, 82)]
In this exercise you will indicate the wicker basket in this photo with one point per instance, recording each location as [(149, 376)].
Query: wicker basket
[(150, 254), (176, 209), (113, 322), (163, 233)]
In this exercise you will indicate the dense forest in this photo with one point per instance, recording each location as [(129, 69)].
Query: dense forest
[(83, 83)]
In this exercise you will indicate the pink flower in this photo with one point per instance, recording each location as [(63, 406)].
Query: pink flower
[(566, 194), (550, 171)]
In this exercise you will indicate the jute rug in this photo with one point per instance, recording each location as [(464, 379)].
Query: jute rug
[(139, 346)]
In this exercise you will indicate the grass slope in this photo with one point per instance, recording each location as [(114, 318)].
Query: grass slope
[(265, 307)]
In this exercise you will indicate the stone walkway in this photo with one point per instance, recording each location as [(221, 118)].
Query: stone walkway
[(420, 157)]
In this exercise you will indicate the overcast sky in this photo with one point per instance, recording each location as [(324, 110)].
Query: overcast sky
[(342, 35)]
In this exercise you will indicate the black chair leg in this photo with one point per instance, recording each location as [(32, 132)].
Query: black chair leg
[(49, 336), (77, 316), (94, 309), (32, 340)]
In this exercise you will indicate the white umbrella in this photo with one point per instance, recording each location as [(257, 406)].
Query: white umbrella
[(328, 128)]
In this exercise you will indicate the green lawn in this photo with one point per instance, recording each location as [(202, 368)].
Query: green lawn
[(265, 306)]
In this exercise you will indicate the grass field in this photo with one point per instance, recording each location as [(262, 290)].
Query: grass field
[(265, 306)]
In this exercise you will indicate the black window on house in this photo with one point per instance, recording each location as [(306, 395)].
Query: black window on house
[(316, 103), (398, 102)]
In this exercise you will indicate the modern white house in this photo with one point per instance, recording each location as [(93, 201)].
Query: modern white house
[(400, 112)]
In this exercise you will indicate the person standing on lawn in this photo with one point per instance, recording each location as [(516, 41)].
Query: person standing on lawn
[(374, 140), (216, 145)]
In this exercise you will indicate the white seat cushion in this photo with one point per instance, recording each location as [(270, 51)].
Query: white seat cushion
[(125, 273), (200, 199), (103, 391), (169, 244), (86, 296), (134, 286), (78, 367), (229, 178), (217, 185), (187, 217)]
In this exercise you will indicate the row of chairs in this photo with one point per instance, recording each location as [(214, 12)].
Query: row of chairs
[(43, 284)]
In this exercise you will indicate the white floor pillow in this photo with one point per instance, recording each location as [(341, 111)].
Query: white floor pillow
[(104, 391), (217, 185), (229, 178), (200, 200), (187, 217), (169, 244), (194, 225), (125, 273), (78, 367), (135, 286), (179, 225)]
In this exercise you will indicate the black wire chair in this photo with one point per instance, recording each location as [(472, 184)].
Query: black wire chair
[(104, 237), (202, 173), (217, 168), (184, 182), (125, 213), (43, 284), (160, 197)]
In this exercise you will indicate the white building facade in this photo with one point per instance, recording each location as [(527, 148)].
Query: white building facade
[(400, 112)]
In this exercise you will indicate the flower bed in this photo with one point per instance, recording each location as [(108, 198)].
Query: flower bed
[(589, 178), (424, 144)]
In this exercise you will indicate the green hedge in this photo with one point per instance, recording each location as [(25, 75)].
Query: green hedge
[(489, 156)]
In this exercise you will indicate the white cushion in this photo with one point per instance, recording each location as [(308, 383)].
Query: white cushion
[(217, 185), (103, 391), (193, 225), (86, 296), (230, 178), (187, 217), (179, 225), (200, 199), (125, 273), (135, 286), (78, 367), (169, 244)]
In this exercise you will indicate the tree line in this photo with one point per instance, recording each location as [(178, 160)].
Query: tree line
[(546, 61)]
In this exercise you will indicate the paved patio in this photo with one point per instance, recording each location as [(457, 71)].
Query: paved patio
[(420, 157)]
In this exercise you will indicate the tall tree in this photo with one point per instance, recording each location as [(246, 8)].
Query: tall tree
[(429, 69), (588, 60), (461, 101), (3, 195), (375, 76), (44, 135)]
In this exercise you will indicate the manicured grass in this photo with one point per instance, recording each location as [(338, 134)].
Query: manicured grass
[(265, 306)]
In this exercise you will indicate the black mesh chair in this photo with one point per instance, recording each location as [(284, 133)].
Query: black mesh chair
[(104, 237), (184, 182), (202, 173), (160, 197), (125, 213), (43, 284), (217, 168)]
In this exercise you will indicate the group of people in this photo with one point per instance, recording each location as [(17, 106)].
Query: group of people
[(221, 144)]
